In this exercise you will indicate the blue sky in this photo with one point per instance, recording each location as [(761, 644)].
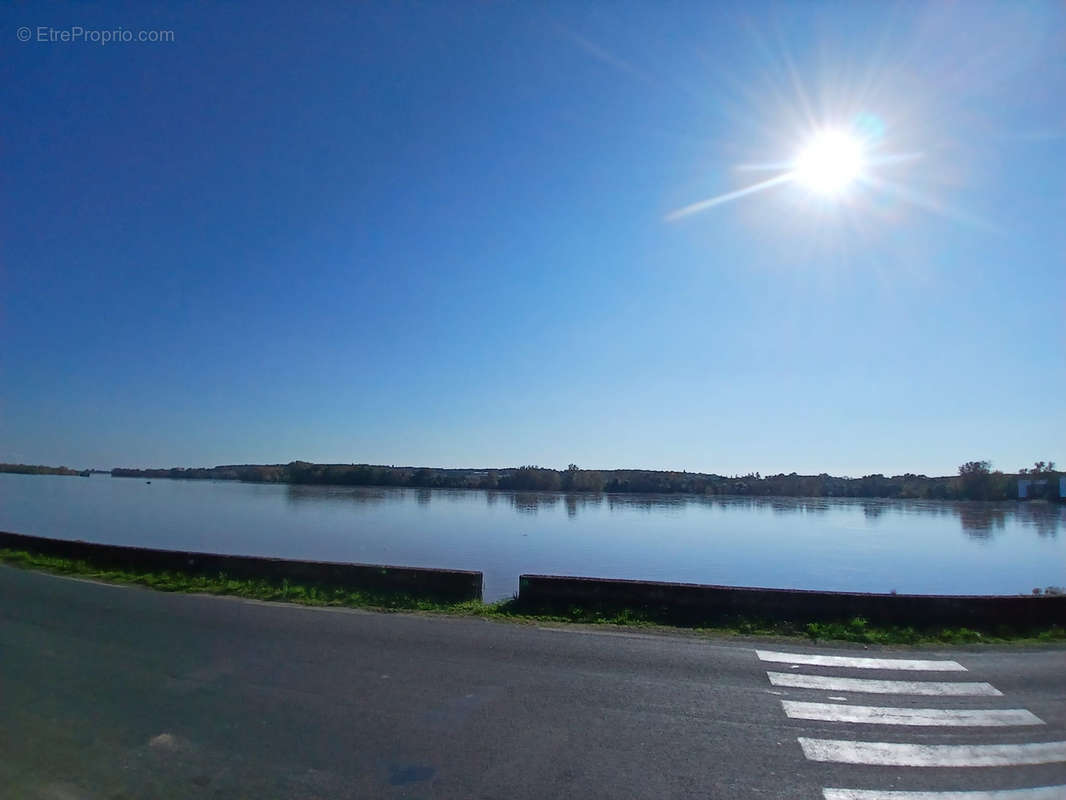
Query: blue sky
[(440, 234)]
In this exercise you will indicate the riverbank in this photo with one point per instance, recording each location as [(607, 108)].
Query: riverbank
[(975, 481), (842, 545), (317, 594), (41, 469)]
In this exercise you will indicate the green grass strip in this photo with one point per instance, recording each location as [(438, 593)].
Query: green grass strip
[(857, 630)]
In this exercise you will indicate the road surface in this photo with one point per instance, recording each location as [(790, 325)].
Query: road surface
[(111, 692)]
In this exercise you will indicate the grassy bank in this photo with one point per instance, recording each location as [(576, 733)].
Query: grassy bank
[(856, 630)]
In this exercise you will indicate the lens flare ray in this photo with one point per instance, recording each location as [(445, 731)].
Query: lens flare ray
[(929, 204), (833, 165), (703, 205)]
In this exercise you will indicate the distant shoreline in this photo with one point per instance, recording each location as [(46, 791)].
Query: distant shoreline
[(969, 485), (40, 469)]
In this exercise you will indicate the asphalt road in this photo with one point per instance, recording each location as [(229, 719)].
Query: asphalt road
[(110, 692)]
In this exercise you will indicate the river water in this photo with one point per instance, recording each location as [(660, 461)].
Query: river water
[(922, 547)]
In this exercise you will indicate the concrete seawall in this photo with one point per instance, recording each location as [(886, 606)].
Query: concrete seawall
[(668, 602), (437, 584), (687, 602)]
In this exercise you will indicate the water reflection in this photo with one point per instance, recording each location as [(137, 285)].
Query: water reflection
[(788, 505), (979, 521), (1041, 517), (861, 544), (532, 502), (571, 505), (583, 502), (872, 509), (783, 506), (638, 502), (346, 495)]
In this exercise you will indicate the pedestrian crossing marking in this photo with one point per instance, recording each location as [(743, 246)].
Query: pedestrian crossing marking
[(864, 685), (1034, 793), (881, 715), (918, 665), (932, 755), (907, 754)]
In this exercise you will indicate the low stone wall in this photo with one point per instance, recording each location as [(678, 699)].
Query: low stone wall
[(687, 602), (676, 602), (437, 584)]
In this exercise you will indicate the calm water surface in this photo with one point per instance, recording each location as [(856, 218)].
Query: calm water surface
[(922, 547)]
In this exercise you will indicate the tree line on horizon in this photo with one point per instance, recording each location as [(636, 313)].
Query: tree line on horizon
[(975, 480), (40, 469)]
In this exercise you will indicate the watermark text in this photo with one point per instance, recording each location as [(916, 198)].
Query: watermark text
[(77, 34)]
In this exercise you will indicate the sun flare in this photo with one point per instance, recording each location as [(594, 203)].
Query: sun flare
[(830, 166), (830, 162)]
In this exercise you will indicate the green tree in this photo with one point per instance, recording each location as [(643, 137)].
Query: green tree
[(977, 481), (974, 478)]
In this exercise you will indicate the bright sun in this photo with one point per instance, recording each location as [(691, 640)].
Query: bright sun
[(829, 163)]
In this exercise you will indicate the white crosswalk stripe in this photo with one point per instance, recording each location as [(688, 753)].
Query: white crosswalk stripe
[(1034, 793), (864, 685), (880, 715), (896, 754), (907, 754), (860, 663)]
